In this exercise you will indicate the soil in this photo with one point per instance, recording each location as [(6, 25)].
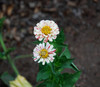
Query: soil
[(80, 20)]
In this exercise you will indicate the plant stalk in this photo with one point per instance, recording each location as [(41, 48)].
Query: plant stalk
[(23, 56), (52, 68), (76, 69), (8, 56)]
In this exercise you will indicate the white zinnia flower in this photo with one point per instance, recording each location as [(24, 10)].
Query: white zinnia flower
[(47, 30), (44, 53)]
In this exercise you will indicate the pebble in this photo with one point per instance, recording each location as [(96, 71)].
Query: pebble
[(31, 4), (98, 24)]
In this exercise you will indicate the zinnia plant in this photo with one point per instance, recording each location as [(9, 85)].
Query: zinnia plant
[(53, 56), (50, 52)]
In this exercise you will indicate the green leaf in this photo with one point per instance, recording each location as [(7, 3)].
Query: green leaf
[(2, 56), (60, 45), (66, 52), (70, 79), (41, 67), (67, 63), (37, 42), (9, 50), (23, 56), (43, 74), (48, 84), (41, 85), (63, 63), (51, 84), (6, 77), (58, 42), (60, 37), (52, 68), (1, 23)]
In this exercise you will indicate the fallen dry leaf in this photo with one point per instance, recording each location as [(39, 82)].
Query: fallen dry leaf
[(14, 34), (50, 10), (4, 8), (95, 1), (36, 10), (1, 14), (10, 9), (70, 3)]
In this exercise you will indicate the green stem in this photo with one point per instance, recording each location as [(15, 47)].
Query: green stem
[(12, 65), (73, 65), (8, 56), (23, 56), (52, 68), (2, 43)]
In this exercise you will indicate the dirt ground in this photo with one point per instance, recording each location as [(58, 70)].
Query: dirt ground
[(80, 20)]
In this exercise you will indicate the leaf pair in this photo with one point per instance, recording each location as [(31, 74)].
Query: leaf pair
[(6, 77), (65, 64), (70, 79), (4, 54), (66, 53), (66, 80), (43, 74)]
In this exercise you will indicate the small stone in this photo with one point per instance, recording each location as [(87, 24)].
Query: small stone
[(23, 31), (98, 24), (37, 15), (10, 9), (70, 3), (22, 6), (31, 4), (95, 1), (7, 21), (1, 14)]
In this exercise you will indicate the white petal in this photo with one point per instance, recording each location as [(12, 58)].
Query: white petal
[(35, 59), (51, 55), (43, 45), (40, 39), (54, 37), (47, 45), (51, 59), (50, 39), (43, 63), (47, 60), (54, 54), (40, 60), (50, 48)]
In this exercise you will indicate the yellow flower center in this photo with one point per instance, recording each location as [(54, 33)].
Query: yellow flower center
[(46, 30), (44, 53)]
